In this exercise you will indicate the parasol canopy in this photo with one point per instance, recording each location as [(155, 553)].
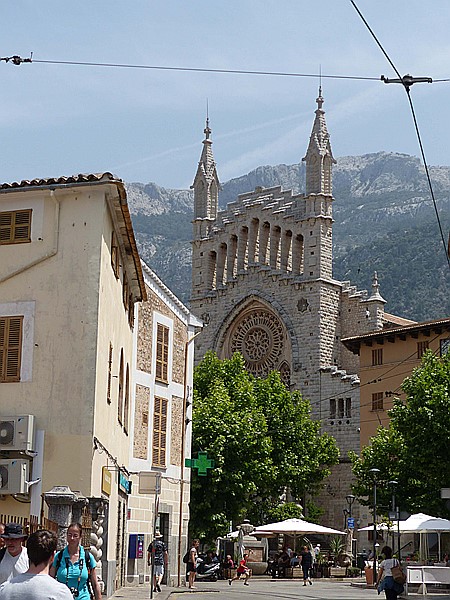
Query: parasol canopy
[(294, 527), (421, 523)]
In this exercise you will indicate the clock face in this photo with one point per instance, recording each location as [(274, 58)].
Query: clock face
[(445, 346)]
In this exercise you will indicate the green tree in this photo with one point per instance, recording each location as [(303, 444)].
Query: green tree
[(263, 442), (228, 424), (301, 455), (414, 449)]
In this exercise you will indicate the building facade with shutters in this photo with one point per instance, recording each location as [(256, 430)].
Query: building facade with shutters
[(262, 281), (70, 277), (161, 432), (386, 359)]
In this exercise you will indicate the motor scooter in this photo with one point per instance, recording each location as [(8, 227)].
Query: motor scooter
[(207, 572)]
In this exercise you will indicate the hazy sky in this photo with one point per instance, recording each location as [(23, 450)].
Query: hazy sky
[(147, 125)]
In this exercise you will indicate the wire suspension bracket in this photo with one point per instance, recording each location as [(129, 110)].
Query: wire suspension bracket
[(407, 80), (17, 60)]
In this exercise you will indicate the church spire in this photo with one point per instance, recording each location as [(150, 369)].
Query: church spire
[(319, 157), (206, 182)]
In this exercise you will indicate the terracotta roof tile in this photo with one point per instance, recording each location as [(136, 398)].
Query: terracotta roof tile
[(80, 178)]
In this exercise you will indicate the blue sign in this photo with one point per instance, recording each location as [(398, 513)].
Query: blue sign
[(350, 523), (124, 484)]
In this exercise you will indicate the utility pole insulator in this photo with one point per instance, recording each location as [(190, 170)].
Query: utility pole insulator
[(407, 80)]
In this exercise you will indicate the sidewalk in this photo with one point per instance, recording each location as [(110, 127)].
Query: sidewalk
[(266, 588)]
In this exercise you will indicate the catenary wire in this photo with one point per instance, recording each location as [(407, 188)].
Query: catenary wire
[(197, 69), (419, 139)]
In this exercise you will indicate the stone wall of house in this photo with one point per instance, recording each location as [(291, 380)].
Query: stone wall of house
[(141, 418), (175, 430), (144, 340)]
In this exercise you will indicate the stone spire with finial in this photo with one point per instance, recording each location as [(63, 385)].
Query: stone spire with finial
[(319, 157), (376, 290), (206, 182)]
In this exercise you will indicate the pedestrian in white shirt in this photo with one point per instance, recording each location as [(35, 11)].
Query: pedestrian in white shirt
[(36, 583), (14, 557)]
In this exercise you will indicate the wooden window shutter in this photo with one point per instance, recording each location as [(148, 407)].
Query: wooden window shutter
[(15, 227), (110, 359), (162, 353), (126, 406), (10, 348), (120, 391), (125, 290), (159, 432), (115, 263)]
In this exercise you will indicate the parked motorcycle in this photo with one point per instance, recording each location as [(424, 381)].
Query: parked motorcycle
[(207, 572)]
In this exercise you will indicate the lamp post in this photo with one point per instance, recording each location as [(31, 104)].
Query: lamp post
[(374, 473), (350, 500), (245, 528), (395, 513)]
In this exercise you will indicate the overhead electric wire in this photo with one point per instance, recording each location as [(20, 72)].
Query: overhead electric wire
[(17, 60), (422, 151)]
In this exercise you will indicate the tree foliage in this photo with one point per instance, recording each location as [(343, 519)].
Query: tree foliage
[(414, 449), (262, 440)]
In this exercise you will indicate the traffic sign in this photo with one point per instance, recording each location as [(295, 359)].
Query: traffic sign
[(350, 523)]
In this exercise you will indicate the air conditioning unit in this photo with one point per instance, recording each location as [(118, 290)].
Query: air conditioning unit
[(17, 433), (14, 476)]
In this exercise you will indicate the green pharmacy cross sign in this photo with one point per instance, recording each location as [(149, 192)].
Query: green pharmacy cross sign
[(202, 463)]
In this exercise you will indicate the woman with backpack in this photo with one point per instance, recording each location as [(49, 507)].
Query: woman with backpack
[(75, 567)]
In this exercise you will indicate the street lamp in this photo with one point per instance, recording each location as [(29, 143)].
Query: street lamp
[(374, 473), (350, 500), (395, 514)]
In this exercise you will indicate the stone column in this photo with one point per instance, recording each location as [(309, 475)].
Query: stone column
[(60, 500)]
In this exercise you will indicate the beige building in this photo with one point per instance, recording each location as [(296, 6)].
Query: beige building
[(386, 358), (161, 433), (70, 275), (95, 373)]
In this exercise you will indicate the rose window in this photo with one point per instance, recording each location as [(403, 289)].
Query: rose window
[(259, 338)]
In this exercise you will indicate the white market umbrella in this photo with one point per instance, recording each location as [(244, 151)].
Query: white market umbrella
[(294, 527), (422, 523)]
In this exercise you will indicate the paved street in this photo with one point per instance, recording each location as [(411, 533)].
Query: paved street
[(261, 589)]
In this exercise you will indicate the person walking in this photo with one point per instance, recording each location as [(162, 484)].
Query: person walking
[(36, 584), (242, 570), (192, 564), (75, 567), (14, 556), (306, 561), (385, 580), (157, 556)]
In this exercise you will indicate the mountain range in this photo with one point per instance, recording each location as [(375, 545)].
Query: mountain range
[(384, 221)]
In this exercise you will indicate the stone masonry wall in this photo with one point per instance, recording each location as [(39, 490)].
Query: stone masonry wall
[(141, 420), (175, 430)]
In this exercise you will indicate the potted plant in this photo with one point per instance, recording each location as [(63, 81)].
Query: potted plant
[(323, 569), (336, 547)]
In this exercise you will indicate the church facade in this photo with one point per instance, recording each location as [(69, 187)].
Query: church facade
[(262, 282)]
